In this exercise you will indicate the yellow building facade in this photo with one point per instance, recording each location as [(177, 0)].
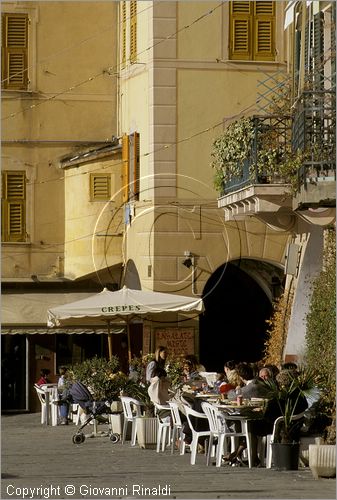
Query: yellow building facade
[(182, 80)]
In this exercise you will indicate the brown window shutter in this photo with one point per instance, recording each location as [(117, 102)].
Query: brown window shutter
[(14, 206), (136, 165), (15, 51), (125, 168), (240, 46), (264, 21), (133, 31), (123, 55), (100, 187)]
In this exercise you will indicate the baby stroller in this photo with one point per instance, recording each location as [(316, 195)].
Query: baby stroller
[(80, 395)]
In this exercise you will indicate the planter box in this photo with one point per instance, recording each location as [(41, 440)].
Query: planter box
[(147, 431), (322, 460)]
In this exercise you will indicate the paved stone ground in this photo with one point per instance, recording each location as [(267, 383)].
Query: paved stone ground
[(44, 458)]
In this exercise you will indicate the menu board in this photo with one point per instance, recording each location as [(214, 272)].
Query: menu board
[(146, 339), (179, 341)]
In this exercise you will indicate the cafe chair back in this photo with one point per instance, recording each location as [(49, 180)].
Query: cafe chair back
[(271, 437), (196, 434), (164, 428), (177, 428), (216, 432), (235, 426), (131, 410)]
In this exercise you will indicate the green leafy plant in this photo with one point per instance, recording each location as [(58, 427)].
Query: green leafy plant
[(299, 384), (321, 332), (101, 376), (174, 369), (138, 390), (230, 150)]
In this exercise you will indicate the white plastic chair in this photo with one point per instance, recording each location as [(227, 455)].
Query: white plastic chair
[(49, 411), (227, 420), (177, 428), (216, 431), (164, 428), (270, 438), (195, 434), (131, 410)]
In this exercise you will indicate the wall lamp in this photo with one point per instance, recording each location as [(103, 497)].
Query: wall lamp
[(188, 262)]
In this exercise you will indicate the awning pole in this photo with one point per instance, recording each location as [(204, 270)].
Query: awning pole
[(109, 342), (129, 343)]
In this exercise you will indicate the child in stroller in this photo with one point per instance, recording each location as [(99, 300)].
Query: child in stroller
[(81, 395)]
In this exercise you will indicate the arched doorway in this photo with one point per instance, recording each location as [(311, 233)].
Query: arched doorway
[(233, 325)]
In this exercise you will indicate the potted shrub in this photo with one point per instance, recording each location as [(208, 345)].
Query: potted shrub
[(147, 423), (289, 395)]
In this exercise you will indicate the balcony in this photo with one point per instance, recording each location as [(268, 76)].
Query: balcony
[(290, 166), (314, 132), (263, 188)]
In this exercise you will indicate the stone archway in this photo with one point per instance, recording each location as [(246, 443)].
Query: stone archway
[(237, 300)]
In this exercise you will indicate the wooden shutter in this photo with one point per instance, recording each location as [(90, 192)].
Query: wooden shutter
[(100, 187), (123, 55), (264, 20), (14, 206), (15, 51), (133, 30), (134, 166), (240, 46), (318, 49), (252, 27), (125, 168)]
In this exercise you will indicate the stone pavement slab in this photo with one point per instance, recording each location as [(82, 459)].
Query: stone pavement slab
[(42, 462)]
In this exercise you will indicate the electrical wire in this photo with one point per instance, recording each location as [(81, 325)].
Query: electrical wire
[(117, 67)]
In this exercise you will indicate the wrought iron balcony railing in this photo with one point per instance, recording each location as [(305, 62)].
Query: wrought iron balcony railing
[(314, 133), (270, 146), (292, 149)]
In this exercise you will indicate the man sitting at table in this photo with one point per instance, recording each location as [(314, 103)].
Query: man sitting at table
[(253, 387)]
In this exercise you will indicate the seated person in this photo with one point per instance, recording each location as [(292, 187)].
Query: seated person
[(229, 366), (158, 391), (43, 377), (234, 381), (253, 387), (190, 372), (63, 392), (220, 379), (194, 360)]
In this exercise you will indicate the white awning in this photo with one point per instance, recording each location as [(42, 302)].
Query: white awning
[(53, 331), (30, 309)]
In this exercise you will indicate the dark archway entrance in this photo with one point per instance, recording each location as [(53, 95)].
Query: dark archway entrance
[(233, 325)]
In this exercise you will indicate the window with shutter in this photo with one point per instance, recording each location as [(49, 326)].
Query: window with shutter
[(251, 33), (134, 166), (123, 54), (13, 206), (125, 168), (100, 187), (133, 31), (15, 51), (131, 167)]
